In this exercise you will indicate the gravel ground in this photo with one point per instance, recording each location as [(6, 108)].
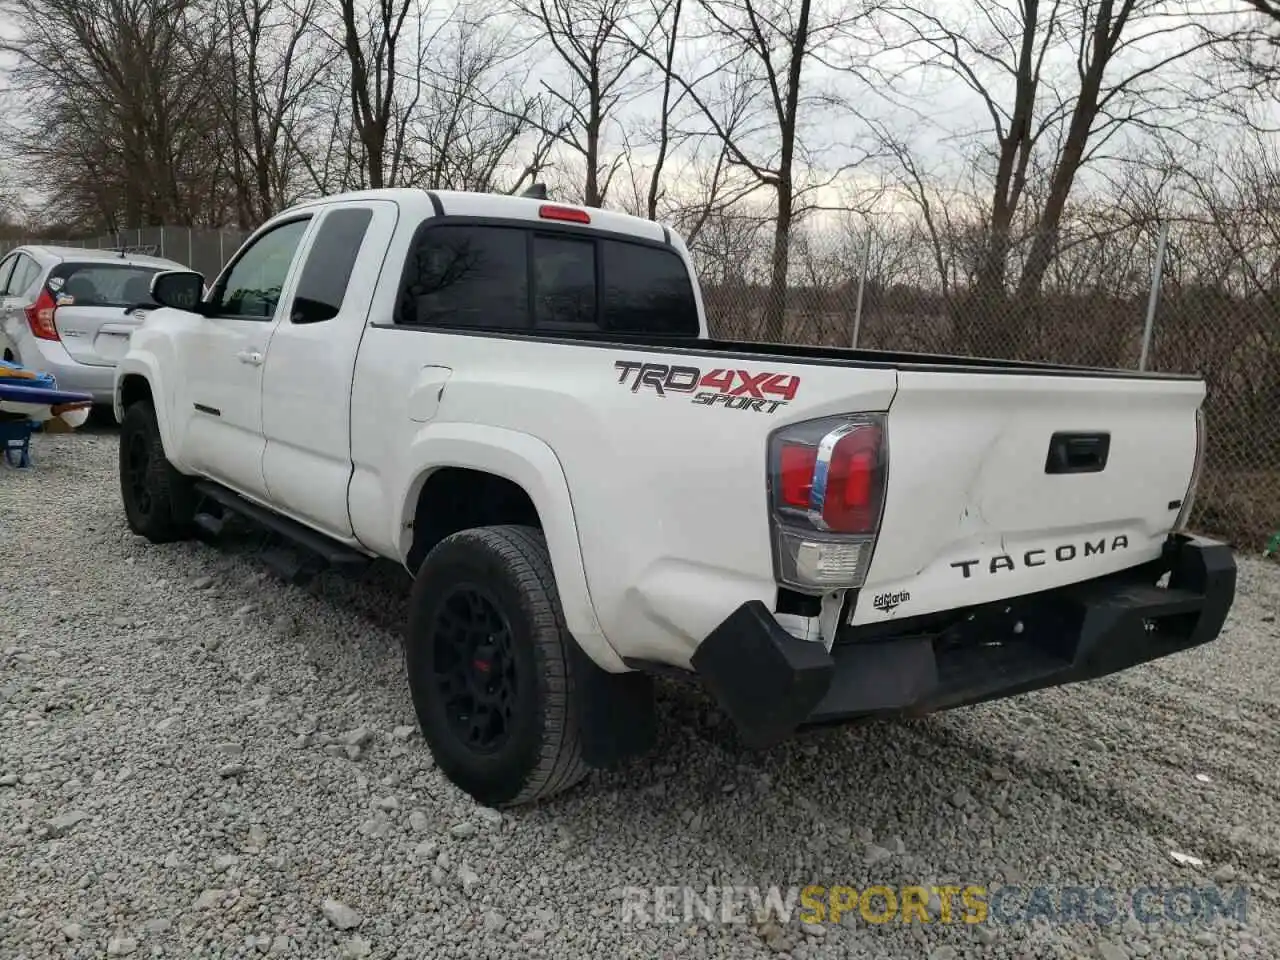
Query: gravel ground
[(196, 760)]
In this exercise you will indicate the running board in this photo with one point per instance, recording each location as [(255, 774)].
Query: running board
[(316, 545)]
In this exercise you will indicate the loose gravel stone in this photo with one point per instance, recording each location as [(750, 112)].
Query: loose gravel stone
[(340, 915), (131, 726), (209, 899), (64, 823), (121, 946)]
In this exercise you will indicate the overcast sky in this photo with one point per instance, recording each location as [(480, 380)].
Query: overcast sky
[(945, 119)]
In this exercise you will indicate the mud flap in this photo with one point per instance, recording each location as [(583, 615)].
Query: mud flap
[(617, 719)]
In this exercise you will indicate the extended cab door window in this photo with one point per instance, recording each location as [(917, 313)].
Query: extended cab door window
[(251, 289), (332, 257)]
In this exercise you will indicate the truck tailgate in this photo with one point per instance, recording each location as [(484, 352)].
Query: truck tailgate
[(1004, 484)]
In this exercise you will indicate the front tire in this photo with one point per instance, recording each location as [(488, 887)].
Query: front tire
[(159, 502), (491, 669)]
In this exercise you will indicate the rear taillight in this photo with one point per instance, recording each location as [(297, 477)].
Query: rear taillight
[(40, 316), (1189, 501), (827, 483)]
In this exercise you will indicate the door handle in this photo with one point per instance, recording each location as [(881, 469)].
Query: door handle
[(250, 356)]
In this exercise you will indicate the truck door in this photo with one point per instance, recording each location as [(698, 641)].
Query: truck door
[(219, 392), (306, 397)]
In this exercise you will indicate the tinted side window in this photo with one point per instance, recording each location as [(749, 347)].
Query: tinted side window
[(647, 290), (252, 288), (468, 276), (6, 268), (564, 285), (332, 257)]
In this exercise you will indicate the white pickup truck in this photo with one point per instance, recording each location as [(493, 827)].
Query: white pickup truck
[(519, 402)]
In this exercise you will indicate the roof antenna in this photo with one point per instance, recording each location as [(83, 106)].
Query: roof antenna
[(537, 191)]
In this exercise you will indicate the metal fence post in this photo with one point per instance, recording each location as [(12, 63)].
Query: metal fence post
[(1157, 271), (862, 286), (190, 255), (162, 241)]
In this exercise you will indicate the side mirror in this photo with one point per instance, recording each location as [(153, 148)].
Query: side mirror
[(180, 289)]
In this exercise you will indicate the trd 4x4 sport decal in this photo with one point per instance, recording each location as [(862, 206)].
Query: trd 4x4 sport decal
[(732, 389)]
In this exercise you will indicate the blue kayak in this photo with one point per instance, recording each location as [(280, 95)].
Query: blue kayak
[(17, 391)]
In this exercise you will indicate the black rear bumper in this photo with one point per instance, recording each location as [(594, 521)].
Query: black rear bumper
[(771, 683)]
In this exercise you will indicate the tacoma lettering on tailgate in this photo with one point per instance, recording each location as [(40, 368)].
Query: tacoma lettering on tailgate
[(1039, 556), (732, 389)]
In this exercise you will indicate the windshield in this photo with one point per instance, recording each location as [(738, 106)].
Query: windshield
[(103, 284)]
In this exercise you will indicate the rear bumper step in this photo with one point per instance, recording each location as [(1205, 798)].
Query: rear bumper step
[(771, 683)]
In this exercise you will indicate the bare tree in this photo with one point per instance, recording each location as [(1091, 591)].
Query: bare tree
[(476, 122), (275, 54), (588, 39), (118, 87), (385, 44), (667, 17), (1123, 84), (749, 92)]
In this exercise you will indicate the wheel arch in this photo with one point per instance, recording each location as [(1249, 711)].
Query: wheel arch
[(138, 380), (501, 474)]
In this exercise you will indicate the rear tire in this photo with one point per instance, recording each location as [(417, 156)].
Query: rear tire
[(491, 669), (159, 502)]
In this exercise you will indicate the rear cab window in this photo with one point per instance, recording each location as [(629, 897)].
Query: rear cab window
[(102, 284), (545, 280)]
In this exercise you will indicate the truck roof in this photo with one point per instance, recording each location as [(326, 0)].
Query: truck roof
[(459, 203)]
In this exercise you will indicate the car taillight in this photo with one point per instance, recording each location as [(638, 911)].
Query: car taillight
[(1189, 501), (40, 316), (827, 481)]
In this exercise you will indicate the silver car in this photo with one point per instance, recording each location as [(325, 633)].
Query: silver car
[(69, 312)]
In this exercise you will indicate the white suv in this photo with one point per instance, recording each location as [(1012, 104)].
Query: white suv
[(69, 312)]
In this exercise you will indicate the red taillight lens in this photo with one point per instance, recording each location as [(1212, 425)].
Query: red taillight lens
[(549, 211), (854, 484), (828, 479), (40, 316), (795, 469)]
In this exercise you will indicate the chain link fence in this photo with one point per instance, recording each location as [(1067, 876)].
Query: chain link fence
[(200, 249), (1195, 298), (1181, 299)]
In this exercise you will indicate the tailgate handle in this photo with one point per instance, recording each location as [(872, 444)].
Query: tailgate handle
[(1078, 453)]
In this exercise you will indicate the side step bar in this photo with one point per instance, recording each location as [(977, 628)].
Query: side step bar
[(316, 545)]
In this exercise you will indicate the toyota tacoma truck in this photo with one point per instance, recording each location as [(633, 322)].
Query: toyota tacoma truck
[(519, 402)]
